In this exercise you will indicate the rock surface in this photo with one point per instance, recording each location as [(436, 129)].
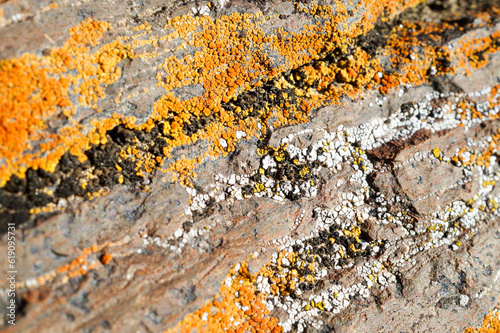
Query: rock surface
[(348, 186)]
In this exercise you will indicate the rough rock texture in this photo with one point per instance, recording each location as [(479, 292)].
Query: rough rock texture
[(371, 209)]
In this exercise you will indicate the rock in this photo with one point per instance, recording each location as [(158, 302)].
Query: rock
[(249, 165)]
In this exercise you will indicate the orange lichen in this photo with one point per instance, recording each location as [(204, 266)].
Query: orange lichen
[(106, 258), (467, 110), (34, 90), (183, 170), (412, 55), (491, 323), (51, 6), (475, 51), (78, 266), (238, 307), (482, 158), (45, 209)]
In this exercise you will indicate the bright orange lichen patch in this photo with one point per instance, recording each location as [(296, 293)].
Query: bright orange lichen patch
[(491, 323), (475, 51), (412, 54), (28, 95), (238, 307), (183, 169), (467, 109), (106, 258), (35, 91)]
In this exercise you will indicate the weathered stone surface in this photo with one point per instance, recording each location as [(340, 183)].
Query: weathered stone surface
[(400, 237), (428, 294)]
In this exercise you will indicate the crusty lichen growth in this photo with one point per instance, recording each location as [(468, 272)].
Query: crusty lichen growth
[(35, 90), (491, 323), (238, 307)]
